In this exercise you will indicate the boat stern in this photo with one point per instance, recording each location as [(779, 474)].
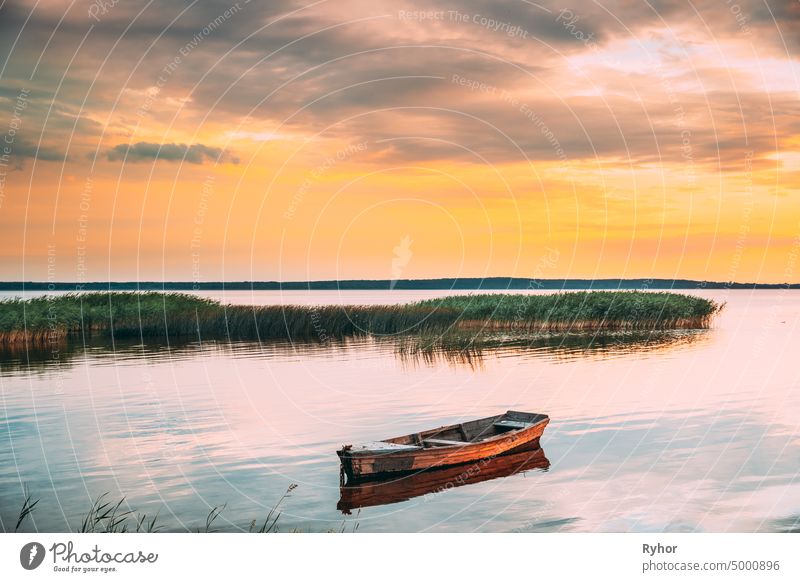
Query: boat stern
[(346, 460)]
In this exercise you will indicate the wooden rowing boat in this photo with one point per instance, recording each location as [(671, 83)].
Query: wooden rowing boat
[(444, 446), (399, 488)]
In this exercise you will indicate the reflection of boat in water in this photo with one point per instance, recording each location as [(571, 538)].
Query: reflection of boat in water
[(455, 444), (432, 481)]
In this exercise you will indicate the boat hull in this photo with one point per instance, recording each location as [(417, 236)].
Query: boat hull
[(398, 488), (359, 465)]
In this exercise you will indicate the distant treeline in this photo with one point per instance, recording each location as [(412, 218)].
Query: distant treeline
[(489, 283)]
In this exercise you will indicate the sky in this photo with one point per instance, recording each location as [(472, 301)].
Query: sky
[(215, 140)]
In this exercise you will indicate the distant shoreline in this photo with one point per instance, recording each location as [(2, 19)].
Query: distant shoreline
[(472, 283)]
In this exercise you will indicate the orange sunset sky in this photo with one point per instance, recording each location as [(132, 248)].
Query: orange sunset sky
[(289, 140)]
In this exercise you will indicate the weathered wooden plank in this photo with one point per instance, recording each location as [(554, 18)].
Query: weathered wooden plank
[(445, 442)]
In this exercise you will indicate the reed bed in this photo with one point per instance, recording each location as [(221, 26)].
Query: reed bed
[(107, 516), (53, 319), (578, 311)]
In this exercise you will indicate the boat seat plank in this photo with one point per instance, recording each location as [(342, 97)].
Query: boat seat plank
[(383, 446), (443, 442), (512, 424)]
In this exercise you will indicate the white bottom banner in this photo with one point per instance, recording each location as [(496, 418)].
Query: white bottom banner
[(333, 557)]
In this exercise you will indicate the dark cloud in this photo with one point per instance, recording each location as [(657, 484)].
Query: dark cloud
[(43, 128), (43, 152), (174, 152), (709, 134), (327, 69), (21, 151)]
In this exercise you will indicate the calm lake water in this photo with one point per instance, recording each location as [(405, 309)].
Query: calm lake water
[(691, 431)]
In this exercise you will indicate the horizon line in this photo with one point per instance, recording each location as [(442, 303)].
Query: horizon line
[(493, 283)]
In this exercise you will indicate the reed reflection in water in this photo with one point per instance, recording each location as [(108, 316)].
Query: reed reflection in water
[(469, 349)]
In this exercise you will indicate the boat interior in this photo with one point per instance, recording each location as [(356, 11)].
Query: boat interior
[(474, 431)]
